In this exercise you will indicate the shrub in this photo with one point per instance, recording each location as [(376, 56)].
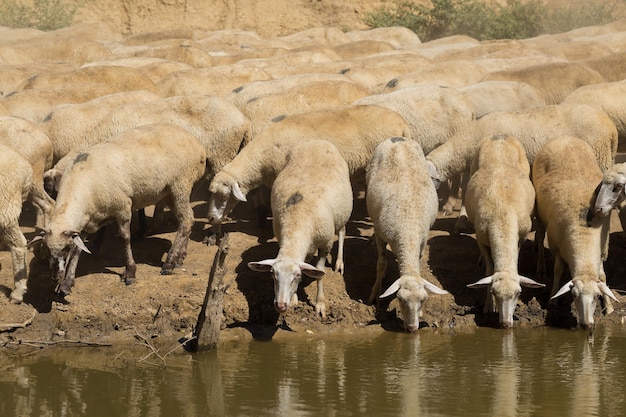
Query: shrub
[(44, 14), (516, 19)]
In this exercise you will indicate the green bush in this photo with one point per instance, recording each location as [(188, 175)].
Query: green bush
[(43, 14), (516, 19)]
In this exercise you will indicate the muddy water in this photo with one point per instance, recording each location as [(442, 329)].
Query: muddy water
[(488, 372)]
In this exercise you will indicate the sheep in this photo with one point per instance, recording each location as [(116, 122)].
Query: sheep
[(457, 73), (300, 99), (16, 179), (565, 174), (143, 166), (311, 203), (117, 77), (398, 36), (362, 48), (35, 105), (610, 97), (373, 72), (532, 127), (255, 89), (217, 124), (224, 78), (402, 203), (611, 194), (29, 141), (434, 113), (355, 130), (491, 96), (554, 80), (500, 199), (69, 126)]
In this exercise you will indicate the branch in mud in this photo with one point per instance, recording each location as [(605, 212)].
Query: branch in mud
[(212, 307), (6, 327)]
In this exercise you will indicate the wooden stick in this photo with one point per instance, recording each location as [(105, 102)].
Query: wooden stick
[(11, 326), (211, 312)]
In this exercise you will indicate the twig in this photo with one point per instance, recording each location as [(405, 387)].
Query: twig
[(41, 343), (4, 327)]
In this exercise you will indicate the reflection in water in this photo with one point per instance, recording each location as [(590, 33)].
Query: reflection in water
[(488, 372)]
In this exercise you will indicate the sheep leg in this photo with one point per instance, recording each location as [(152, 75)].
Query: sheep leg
[(454, 189), (339, 262), (540, 235), (177, 253), (320, 300), (131, 267), (486, 254), (381, 269), (43, 202), (17, 242), (559, 266), (608, 304), (621, 212), (461, 224), (65, 286)]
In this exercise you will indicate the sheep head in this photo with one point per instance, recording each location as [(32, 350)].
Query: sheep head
[(411, 293), (62, 247), (611, 190), (225, 194), (287, 275), (505, 287), (585, 291)]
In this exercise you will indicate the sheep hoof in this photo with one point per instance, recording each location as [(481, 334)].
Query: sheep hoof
[(320, 310), (168, 271), (16, 299), (210, 240)]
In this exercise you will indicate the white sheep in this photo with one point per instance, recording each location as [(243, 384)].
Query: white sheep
[(29, 141), (35, 105), (491, 96), (566, 174), (69, 126), (137, 168), (402, 203), (611, 193), (214, 121), (16, 179), (500, 199), (434, 113), (301, 98), (555, 80), (355, 130), (311, 203), (610, 97), (532, 127)]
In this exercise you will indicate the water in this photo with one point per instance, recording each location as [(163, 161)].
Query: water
[(488, 372)]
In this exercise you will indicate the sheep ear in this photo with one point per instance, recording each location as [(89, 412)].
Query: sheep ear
[(237, 193), (79, 242), (262, 266), (38, 238), (607, 291), (565, 288), (530, 283), (481, 282), (433, 289), (393, 288), (311, 271)]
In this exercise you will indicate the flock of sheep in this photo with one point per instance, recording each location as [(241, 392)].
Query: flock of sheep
[(95, 126)]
